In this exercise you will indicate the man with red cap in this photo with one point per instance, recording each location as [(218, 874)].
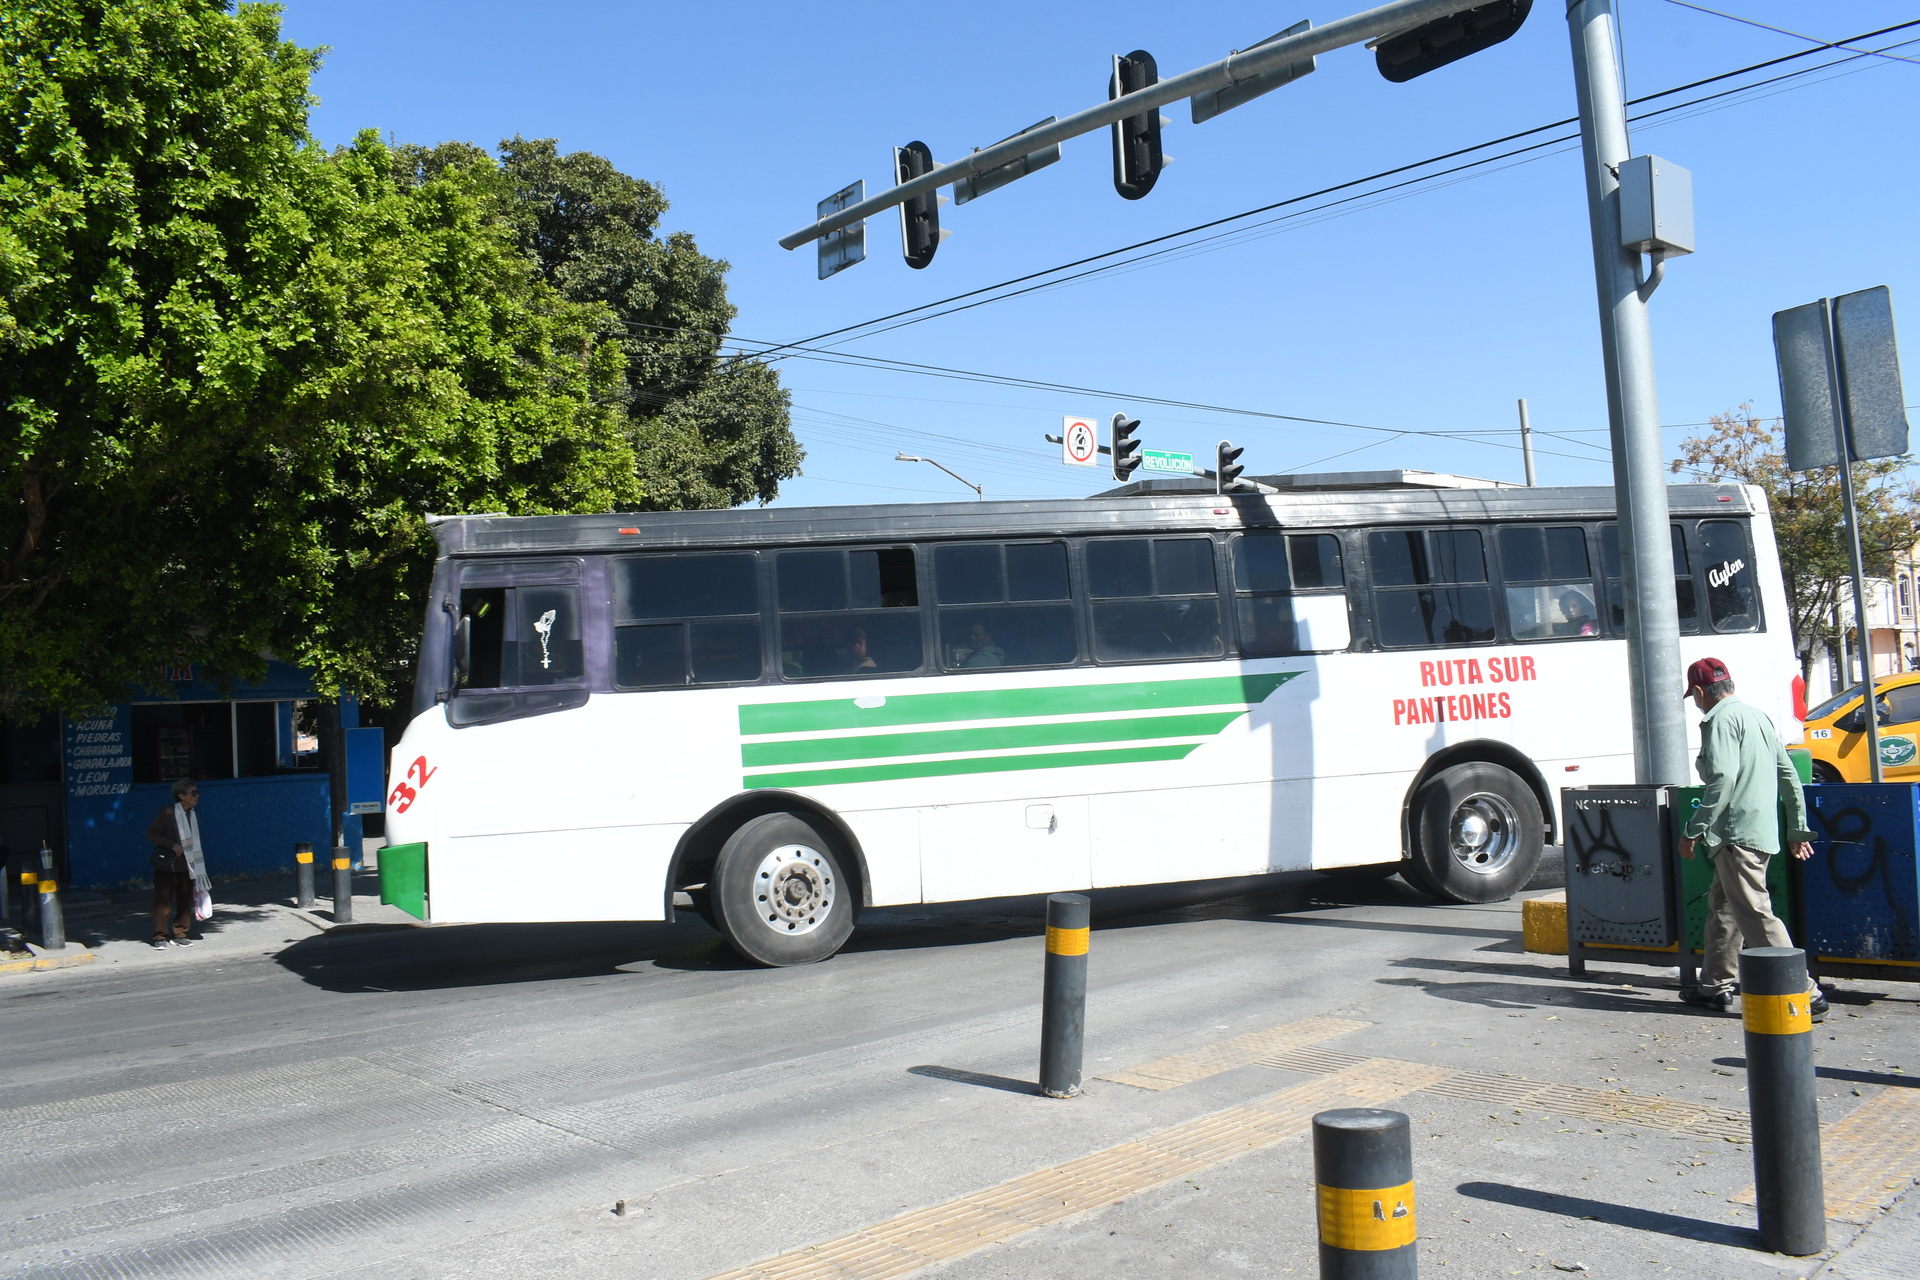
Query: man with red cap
[(1746, 779)]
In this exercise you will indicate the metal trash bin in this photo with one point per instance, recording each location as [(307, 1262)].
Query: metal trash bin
[(1620, 881), (1861, 889)]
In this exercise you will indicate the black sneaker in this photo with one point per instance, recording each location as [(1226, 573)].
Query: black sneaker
[(183, 942), (1719, 1001), (158, 944), (1817, 1007)]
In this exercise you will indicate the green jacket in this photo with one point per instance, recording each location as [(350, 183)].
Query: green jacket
[(1747, 779)]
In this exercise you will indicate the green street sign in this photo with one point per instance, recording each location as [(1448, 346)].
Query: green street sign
[(1160, 460)]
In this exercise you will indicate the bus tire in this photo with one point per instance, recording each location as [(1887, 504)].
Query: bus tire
[(1477, 834), (780, 894)]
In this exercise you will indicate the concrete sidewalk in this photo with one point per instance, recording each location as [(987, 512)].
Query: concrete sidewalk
[(250, 918)]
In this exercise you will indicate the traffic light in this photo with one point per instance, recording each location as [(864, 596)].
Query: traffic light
[(920, 232), (1125, 449), (1449, 39), (1137, 159), (1226, 466)]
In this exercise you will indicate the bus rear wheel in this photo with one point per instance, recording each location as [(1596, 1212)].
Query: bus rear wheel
[(779, 892), (1477, 834)]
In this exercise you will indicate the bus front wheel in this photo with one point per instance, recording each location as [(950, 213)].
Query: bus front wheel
[(1477, 834), (779, 892)]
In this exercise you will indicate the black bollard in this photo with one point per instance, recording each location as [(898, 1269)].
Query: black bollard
[(1776, 1015), (1063, 1007), (53, 922), (303, 875), (26, 880), (342, 886), (1363, 1175)]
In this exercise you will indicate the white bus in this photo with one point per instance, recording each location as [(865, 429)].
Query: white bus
[(791, 714)]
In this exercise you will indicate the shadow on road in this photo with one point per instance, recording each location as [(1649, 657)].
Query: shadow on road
[(985, 1081), (1851, 1076), (1617, 1215)]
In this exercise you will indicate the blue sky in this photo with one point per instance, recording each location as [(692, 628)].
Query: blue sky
[(1430, 310)]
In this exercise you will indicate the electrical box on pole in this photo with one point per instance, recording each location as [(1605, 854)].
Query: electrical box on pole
[(1433, 45), (1656, 207), (1125, 447), (1137, 159), (1227, 466), (920, 233)]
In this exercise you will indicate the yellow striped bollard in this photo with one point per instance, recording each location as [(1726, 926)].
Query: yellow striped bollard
[(1363, 1183), (303, 875), (53, 921), (1777, 1016), (1063, 1007), (342, 886)]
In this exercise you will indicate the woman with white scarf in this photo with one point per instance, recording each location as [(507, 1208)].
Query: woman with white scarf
[(179, 867)]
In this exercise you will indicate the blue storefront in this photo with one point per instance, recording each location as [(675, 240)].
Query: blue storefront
[(260, 791)]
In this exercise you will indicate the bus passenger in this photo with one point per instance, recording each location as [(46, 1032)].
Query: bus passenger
[(982, 651), (1577, 609), (859, 659)]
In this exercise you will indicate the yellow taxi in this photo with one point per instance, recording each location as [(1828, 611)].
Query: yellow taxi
[(1837, 732)]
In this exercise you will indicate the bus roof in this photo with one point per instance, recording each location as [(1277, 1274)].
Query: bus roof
[(1323, 501)]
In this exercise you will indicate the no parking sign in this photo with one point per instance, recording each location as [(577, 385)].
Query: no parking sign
[(1079, 442)]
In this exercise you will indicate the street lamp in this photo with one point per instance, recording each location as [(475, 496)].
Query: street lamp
[(911, 457)]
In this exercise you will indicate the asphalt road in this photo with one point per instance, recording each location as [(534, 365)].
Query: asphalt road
[(473, 1101)]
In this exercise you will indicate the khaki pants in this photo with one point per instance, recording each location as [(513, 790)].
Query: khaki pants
[(1738, 912)]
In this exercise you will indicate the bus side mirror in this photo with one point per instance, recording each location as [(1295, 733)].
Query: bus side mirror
[(462, 651)]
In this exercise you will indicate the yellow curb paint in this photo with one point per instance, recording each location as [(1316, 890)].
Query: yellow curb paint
[(1381, 1218), (1776, 1015), (1543, 924), (1066, 942)]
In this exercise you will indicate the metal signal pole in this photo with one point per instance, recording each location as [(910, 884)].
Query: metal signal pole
[(1633, 410)]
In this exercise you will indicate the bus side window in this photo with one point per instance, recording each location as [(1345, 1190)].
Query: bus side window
[(1430, 587), (1153, 598), (1732, 602), (483, 620), (1548, 582), (521, 637), (685, 620), (1616, 592), (993, 611), (1290, 594), (848, 613)]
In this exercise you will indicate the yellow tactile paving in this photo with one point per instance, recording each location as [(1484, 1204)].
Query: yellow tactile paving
[(1869, 1155), (1240, 1051), (913, 1240)]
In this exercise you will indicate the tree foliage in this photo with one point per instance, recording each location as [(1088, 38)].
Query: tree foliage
[(1809, 516), (237, 371)]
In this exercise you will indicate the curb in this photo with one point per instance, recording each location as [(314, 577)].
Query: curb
[(31, 964)]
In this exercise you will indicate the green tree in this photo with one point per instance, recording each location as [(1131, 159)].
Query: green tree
[(238, 371), (1809, 517), (708, 431)]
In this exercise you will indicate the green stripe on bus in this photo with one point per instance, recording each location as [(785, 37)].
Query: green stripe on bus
[(977, 764), (995, 738), (1008, 704)]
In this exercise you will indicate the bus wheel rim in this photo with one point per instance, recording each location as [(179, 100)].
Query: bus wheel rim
[(1484, 833), (794, 890)]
